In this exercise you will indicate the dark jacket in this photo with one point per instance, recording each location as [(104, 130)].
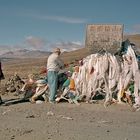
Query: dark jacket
[(1, 73)]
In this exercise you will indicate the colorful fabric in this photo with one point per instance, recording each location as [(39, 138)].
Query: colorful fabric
[(71, 69), (72, 84), (131, 88), (122, 92), (76, 69), (66, 83)]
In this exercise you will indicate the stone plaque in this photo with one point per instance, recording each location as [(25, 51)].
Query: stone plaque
[(104, 36)]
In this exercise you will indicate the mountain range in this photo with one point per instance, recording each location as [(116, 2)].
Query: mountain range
[(25, 53)]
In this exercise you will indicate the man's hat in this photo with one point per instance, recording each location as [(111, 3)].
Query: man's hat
[(57, 50)]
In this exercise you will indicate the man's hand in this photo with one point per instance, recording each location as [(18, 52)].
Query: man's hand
[(66, 65)]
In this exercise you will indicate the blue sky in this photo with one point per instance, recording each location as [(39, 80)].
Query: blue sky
[(43, 24)]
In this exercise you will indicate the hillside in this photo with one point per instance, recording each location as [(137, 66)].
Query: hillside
[(75, 55), (134, 39), (83, 52)]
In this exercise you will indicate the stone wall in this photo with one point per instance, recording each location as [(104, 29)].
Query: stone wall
[(104, 36)]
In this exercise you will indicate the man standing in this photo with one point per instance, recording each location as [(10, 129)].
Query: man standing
[(54, 64), (1, 73), (1, 78)]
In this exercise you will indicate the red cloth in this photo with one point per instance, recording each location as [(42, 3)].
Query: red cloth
[(43, 70)]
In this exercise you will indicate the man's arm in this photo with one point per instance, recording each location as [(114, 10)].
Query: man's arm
[(60, 63)]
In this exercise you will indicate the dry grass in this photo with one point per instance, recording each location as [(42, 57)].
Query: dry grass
[(23, 66), (133, 38)]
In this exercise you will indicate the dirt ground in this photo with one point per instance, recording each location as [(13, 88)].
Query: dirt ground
[(64, 121)]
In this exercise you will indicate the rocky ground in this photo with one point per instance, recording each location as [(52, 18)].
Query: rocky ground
[(64, 121)]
